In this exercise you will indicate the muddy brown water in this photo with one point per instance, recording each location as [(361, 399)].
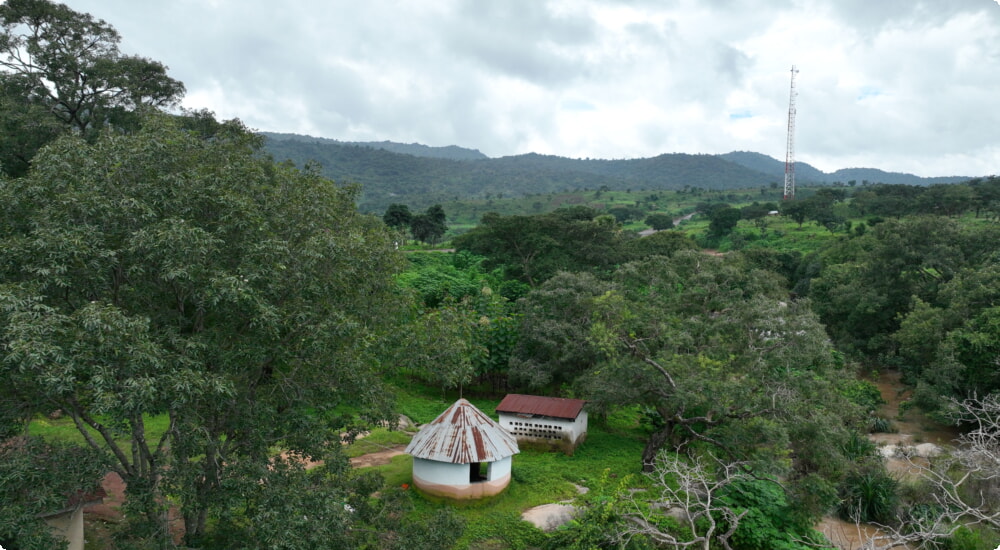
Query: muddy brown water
[(910, 427)]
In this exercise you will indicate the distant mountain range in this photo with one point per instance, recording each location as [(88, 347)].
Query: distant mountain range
[(420, 175), (807, 174)]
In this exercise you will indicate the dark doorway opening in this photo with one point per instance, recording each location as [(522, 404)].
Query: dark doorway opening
[(477, 472)]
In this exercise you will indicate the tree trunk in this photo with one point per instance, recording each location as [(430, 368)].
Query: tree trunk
[(653, 446)]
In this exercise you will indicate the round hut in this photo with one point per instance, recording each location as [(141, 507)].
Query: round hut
[(462, 454)]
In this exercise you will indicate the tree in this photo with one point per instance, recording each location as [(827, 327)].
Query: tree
[(25, 127), (723, 220), (554, 347), (69, 62), (679, 337), (430, 226), (623, 214), (397, 216), (659, 222), (797, 210), (38, 479), (162, 274), (535, 248), (661, 243), (757, 213), (693, 491), (867, 284)]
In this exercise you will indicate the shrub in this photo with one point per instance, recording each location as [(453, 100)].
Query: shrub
[(869, 494)]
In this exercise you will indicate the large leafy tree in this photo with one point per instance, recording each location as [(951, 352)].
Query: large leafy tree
[(60, 65), (430, 226), (867, 285), (397, 216), (707, 346), (949, 347), (159, 273), (534, 248)]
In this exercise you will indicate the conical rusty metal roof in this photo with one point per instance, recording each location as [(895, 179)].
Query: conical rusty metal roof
[(461, 435)]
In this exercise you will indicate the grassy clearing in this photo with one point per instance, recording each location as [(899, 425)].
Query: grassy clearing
[(379, 439), (613, 447)]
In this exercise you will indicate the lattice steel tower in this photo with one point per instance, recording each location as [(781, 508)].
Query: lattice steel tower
[(790, 150)]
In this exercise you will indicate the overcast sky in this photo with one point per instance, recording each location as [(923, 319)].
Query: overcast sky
[(901, 85)]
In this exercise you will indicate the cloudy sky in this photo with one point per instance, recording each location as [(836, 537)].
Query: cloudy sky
[(902, 85)]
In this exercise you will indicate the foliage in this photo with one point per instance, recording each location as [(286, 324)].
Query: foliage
[(533, 249), (867, 284), (950, 346), (65, 64), (330, 506), (397, 216), (39, 479), (869, 494), (430, 226), (466, 329), (161, 273), (770, 521), (723, 220), (661, 243), (600, 521), (440, 345), (659, 222), (863, 394), (679, 336)]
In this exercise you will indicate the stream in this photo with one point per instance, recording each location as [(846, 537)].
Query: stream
[(911, 428)]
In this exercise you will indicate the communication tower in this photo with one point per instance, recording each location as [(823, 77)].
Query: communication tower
[(790, 151)]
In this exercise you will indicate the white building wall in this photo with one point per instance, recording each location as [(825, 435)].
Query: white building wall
[(580, 426), (545, 427), (443, 473), (499, 469)]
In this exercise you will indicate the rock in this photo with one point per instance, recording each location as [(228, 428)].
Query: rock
[(405, 423), (921, 450), (549, 517), (927, 450)]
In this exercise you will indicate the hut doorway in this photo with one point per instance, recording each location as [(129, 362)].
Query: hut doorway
[(478, 471)]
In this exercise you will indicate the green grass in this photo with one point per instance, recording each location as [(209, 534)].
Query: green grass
[(63, 430), (379, 439), (614, 445)]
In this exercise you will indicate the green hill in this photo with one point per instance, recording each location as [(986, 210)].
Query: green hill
[(420, 180), (420, 176)]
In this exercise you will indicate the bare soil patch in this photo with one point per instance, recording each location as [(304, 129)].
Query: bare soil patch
[(377, 459)]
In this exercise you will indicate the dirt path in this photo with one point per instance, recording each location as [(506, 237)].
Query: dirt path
[(378, 458)]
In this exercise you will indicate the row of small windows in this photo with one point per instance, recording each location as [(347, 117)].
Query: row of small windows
[(532, 425), (536, 430)]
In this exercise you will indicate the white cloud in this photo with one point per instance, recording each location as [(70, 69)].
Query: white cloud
[(896, 84)]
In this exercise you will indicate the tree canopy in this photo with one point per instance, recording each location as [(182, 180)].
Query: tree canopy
[(163, 274), (65, 65)]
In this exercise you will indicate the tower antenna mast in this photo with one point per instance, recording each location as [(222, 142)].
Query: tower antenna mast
[(790, 150)]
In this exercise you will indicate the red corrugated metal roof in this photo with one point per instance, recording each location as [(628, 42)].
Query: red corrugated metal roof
[(555, 407), (461, 435)]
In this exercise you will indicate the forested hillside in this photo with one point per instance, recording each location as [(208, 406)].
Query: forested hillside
[(420, 181), (452, 152), (421, 176)]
